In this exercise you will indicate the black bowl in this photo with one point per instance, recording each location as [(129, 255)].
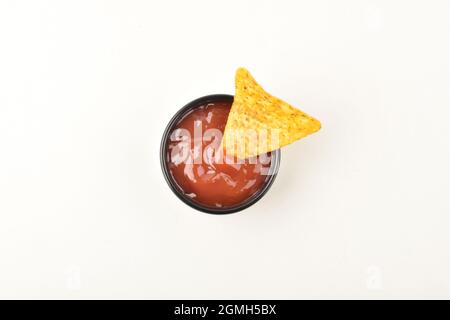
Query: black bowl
[(275, 164)]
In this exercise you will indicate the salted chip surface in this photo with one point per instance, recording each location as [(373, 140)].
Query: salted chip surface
[(259, 122)]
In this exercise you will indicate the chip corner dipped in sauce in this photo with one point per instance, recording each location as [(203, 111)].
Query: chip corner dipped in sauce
[(201, 171)]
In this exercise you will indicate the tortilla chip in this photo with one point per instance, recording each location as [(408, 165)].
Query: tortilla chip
[(259, 122)]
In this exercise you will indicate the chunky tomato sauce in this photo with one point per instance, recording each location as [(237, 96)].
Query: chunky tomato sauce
[(201, 173)]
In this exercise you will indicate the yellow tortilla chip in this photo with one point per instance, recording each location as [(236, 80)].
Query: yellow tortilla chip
[(259, 122)]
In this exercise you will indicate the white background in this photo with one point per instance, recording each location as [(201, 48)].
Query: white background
[(359, 210)]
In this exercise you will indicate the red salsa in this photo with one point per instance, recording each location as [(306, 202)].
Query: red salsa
[(199, 168)]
